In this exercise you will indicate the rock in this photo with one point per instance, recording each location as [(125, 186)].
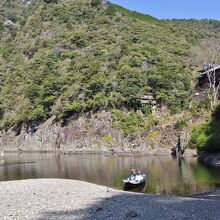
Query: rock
[(2, 154), (173, 151), (8, 23), (98, 209), (131, 214), (210, 159), (26, 2), (182, 151), (105, 2), (195, 154)]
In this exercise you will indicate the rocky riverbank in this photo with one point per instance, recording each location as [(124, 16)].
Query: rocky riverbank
[(88, 134), (70, 199), (209, 159)]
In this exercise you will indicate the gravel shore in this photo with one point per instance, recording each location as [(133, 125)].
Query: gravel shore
[(70, 199)]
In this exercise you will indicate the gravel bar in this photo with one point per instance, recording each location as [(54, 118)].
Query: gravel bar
[(71, 199)]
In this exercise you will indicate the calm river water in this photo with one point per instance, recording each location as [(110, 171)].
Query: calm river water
[(165, 175)]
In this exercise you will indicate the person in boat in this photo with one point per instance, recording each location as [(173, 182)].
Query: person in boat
[(133, 172)]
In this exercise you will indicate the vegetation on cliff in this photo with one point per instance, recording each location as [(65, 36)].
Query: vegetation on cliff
[(67, 58), (207, 136)]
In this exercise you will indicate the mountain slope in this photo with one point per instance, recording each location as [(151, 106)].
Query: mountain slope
[(67, 58)]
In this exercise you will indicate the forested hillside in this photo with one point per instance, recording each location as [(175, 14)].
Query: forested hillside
[(67, 58)]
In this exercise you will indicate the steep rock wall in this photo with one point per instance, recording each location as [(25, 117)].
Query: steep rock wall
[(94, 134)]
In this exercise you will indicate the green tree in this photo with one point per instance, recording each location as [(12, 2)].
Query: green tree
[(95, 3)]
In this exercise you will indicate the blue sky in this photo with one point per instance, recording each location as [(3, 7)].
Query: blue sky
[(168, 9)]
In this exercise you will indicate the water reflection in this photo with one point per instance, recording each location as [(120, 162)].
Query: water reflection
[(165, 175)]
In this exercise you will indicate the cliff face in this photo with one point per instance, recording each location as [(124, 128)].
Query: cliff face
[(81, 135), (94, 134)]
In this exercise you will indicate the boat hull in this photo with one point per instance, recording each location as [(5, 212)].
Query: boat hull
[(128, 185)]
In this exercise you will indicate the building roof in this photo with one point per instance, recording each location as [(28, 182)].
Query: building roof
[(208, 69)]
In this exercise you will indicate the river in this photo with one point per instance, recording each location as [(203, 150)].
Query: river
[(165, 175)]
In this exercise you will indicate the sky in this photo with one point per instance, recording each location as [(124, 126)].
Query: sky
[(169, 9)]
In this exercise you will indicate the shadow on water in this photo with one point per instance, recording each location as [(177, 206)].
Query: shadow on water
[(139, 206)]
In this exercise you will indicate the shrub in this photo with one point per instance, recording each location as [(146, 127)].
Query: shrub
[(198, 137), (131, 122), (37, 114), (207, 136), (180, 124), (95, 3)]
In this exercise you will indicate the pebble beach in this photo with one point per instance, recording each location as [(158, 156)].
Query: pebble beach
[(71, 199)]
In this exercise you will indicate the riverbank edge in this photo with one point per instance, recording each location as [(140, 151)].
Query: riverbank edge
[(156, 152), (209, 158), (110, 189)]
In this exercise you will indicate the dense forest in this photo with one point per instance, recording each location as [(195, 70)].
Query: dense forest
[(68, 58)]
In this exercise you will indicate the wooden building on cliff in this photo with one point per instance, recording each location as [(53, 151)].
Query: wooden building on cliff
[(209, 72), (148, 100), (208, 75)]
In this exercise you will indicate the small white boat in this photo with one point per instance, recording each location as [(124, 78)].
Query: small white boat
[(134, 181)]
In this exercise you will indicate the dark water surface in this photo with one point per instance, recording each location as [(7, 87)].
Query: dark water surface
[(165, 175)]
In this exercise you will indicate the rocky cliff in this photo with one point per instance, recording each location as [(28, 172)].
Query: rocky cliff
[(87, 134)]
